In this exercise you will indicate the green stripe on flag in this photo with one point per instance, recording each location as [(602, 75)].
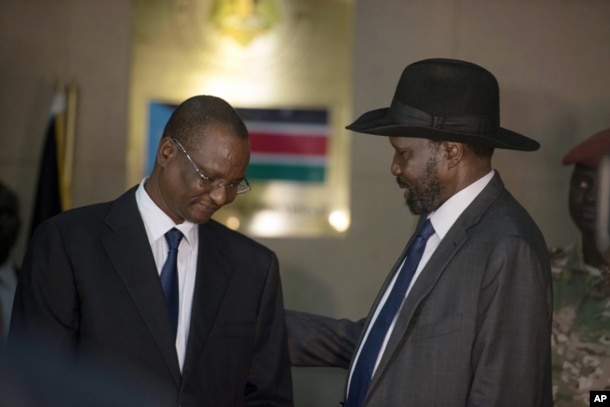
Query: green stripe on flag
[(304, 173)]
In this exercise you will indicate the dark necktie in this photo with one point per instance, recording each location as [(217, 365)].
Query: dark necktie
[(169, 276), (361, 375)]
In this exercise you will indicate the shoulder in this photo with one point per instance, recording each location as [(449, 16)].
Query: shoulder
[(506, 220), (497, 213), (72, 220), (223, 235), (87, 219)]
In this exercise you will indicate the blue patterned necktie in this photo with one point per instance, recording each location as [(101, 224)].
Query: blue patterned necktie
[(169, 276), (363, 370)]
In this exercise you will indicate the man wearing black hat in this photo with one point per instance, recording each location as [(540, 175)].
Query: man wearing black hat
[(464, 317), (581, 323)]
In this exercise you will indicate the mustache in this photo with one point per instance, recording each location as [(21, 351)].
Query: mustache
[(401, 183)]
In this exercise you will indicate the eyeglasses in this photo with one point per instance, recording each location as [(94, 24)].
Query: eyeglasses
[(206, 182)]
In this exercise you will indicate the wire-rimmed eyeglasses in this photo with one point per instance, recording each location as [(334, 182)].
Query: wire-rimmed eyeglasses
[(238, 188)]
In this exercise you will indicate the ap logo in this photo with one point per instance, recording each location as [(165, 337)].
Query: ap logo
[(599, 398)]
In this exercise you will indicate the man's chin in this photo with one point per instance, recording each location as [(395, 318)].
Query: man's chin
[(200, 217), (415, 210)]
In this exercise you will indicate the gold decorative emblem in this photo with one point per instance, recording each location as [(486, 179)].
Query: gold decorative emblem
[(235, 33), (244, 20)]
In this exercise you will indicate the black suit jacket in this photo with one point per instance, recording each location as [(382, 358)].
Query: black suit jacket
[(89, 285)]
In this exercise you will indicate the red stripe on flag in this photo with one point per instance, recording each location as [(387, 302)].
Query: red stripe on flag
[(288, 144)]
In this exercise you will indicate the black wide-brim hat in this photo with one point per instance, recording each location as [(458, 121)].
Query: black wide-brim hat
[(448, 100)]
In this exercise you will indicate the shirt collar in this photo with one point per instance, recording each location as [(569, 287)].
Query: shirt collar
[(156, 221), (445, 216)]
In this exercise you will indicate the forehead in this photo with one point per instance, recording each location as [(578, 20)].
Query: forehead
[(215, 138), (218, 149), (409, 142), (582, 171)]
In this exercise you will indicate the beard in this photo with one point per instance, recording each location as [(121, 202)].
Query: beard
[(425, 196)]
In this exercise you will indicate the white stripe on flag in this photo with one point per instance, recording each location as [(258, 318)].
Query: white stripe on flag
[(288, 129), (287, 159)]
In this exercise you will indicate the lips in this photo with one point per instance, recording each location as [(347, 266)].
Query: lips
[(403, 185), (205, 207)]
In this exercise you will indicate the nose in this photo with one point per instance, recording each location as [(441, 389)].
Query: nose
[(395, 168), (219, 195)]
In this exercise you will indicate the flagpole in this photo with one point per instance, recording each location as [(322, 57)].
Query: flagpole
[(69, 140), (48, 195)]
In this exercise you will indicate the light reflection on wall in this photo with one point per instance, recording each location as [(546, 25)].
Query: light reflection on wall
[(339, 220), (299, 59), (269, 224), (241, 92), (233, 222)]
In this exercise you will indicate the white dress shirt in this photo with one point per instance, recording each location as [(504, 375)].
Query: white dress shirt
[(157, 223), (442, 219)]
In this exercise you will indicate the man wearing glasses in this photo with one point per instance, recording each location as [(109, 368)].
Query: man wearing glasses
[(152, 287)]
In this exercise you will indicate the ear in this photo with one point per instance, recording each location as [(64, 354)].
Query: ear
[(165, 151), (453, 152)]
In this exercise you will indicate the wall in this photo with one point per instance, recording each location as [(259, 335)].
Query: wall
[(551, 57), (44, 43)]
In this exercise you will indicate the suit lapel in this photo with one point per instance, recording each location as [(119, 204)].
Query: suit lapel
[(214, 270), (128, 249), (382, 290), (433, 270), (420, 290)]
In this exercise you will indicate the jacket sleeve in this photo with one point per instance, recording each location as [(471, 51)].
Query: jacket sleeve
[(511, 352), (270, 381), (46, 304), (316, 340)]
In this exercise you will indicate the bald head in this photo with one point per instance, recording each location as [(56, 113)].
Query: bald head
[(194, 115)]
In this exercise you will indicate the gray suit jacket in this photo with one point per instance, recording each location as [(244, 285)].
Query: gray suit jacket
[(475, 328)]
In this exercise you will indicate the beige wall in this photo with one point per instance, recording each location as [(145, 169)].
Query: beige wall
[(42, 43), (551, 57)]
